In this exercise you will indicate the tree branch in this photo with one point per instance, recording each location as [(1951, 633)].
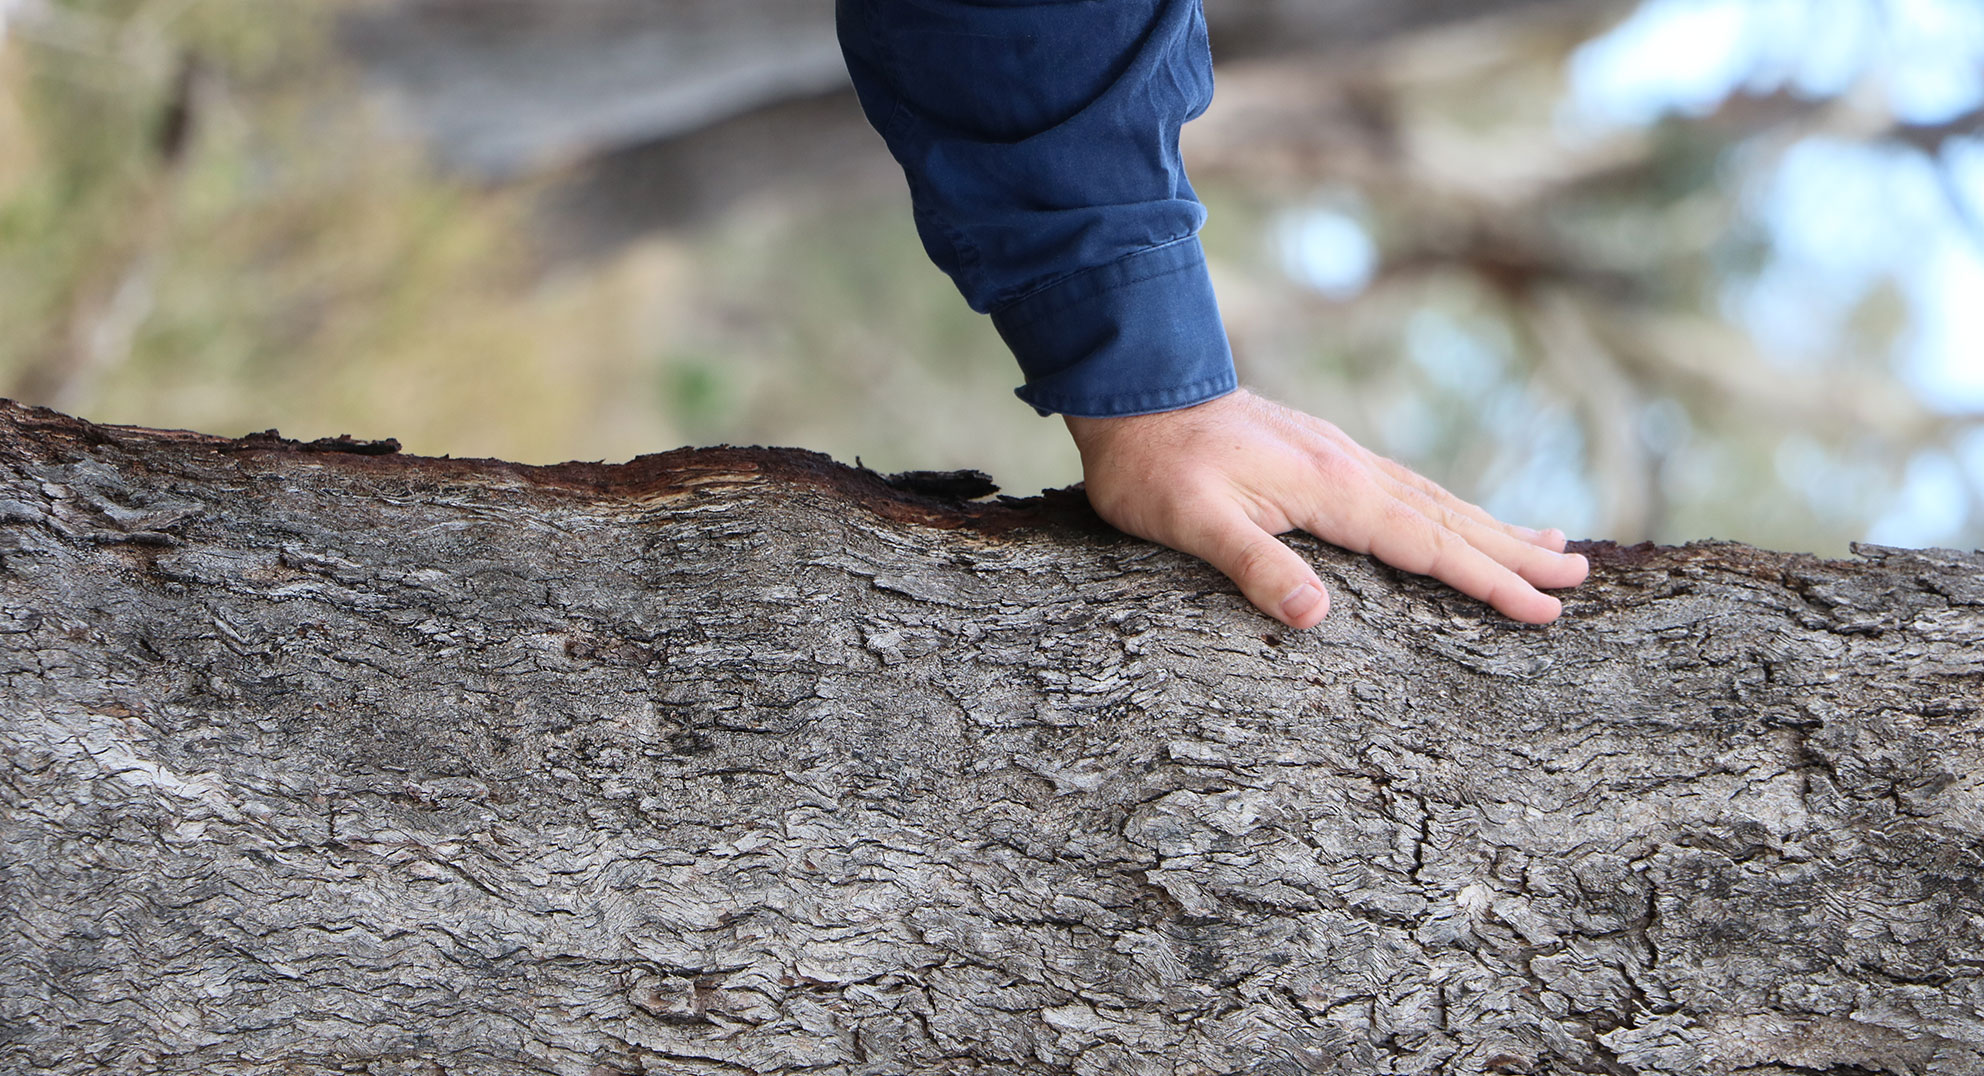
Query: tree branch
[(740, 760)]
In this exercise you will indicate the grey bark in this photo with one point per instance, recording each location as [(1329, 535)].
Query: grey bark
[(735, 760)]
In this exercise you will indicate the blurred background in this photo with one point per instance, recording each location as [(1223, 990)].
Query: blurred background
[(1662, 269)]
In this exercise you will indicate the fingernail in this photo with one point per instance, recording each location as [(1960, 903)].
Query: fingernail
[(1301, 601), (1529, 534)]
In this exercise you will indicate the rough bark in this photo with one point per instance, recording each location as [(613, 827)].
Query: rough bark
[(727, 761)]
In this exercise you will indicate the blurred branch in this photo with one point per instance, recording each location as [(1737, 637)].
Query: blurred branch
[(1261, 28), (1931, 137), (1306, 118), (1608, 406), (111, 50), (1710, 359), (1512, 256), (106, 306), (502, 88), (1960, 204)]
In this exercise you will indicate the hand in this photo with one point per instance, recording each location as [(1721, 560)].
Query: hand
[(1221, 479)]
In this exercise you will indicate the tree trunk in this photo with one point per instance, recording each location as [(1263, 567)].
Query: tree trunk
[(739, 760)]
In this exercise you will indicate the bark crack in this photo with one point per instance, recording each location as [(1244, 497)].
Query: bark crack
[(742, 762)]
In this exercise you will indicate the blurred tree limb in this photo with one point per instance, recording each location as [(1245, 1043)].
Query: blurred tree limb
[(508, 86), (752, 278)]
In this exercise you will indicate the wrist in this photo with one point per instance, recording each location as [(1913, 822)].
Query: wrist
[(1092, 434)]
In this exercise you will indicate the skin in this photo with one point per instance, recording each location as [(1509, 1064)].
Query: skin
[(1220, 480)]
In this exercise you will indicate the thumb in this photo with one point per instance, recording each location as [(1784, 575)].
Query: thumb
[(1272, 576)]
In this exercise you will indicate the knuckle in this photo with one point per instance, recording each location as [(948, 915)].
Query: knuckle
[(1449, 541), (1454, 521), (1256, 556), (1340, 470), (1397, 515)]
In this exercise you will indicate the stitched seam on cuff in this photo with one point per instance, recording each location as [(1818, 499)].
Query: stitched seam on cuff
[(1123, 404), (1042, 304)]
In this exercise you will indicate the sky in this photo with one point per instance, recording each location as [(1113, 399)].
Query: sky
[(1843, 215)]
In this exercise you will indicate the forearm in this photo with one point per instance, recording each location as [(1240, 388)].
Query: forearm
[(1040, 141)]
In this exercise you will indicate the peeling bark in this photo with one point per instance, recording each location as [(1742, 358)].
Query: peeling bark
[(737, 760)]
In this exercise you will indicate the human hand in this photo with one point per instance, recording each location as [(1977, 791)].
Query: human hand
[(1221, 479)]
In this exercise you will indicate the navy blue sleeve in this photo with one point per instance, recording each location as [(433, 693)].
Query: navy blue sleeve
[(1040, 140)]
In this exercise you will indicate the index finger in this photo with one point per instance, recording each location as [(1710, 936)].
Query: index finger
[(1396, 533), (1552, 539)]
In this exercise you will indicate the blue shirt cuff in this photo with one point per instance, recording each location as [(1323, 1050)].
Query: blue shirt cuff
[(1138, 335)]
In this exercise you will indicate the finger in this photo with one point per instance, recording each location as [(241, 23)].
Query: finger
[(1537, 564), (1392, 531), (1552, 539), (1272, 576)]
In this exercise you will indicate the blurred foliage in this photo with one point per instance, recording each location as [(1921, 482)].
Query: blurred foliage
[(207, 219), (1555, 323), (286, 262)]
